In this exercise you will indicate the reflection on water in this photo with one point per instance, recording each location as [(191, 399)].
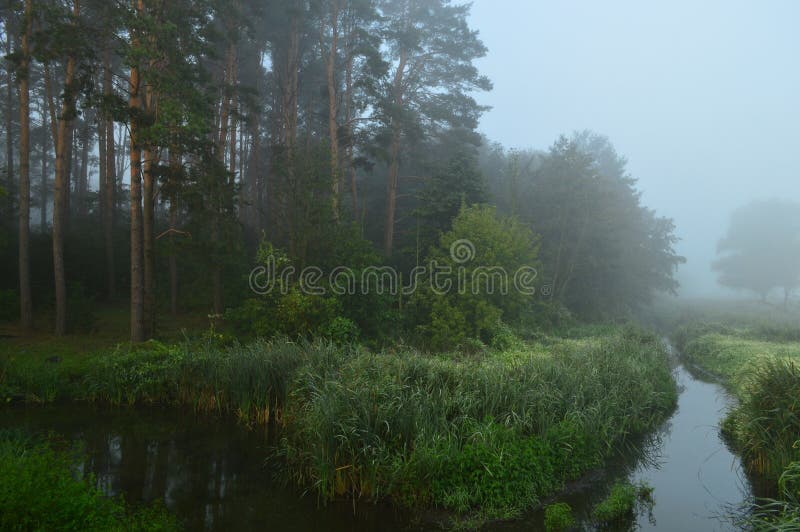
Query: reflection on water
[(213, 475)]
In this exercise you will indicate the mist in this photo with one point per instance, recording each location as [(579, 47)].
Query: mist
[(701, 97)]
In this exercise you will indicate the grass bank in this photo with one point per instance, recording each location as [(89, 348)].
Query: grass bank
[(760, 364), (486, 435)]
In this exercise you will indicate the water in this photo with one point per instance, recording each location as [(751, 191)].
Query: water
[(699, 484), (212, 473)]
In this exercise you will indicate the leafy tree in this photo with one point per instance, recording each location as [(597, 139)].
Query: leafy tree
[(603, 253), (761, 250), (484, 255)]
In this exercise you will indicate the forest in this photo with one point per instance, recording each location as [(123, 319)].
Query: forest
[(239, 210), (151, 150)]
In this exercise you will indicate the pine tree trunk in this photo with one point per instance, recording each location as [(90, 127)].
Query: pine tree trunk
[(348, 118), (394, 158), (137, 274), (9, 136), (333, 109), (26, 305), (60, 193), (83, 175), (44, 177), (391, 193), (175, 162), (109, 178), (148, 243), (68, 174)]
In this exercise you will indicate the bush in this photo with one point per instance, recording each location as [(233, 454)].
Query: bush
[(340, 330), (558, 517), (289, 309), (622, 502), (479, 245)]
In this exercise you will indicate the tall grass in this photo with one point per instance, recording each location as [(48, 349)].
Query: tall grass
[(492, 433), (781, 515), (766, 423), (475, 433)]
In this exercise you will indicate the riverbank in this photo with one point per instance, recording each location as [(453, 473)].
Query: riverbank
[(481, 436), (760, 365)]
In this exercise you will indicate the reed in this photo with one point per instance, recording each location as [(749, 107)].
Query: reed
[(484, 435)]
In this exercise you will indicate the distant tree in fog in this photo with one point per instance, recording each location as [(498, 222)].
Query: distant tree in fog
[(761, 250)]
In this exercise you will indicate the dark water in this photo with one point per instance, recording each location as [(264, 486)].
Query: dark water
[(212, 473)]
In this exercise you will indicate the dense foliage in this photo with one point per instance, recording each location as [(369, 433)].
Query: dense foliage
[(328, 129)]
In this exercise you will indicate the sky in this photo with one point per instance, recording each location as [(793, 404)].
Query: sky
[(702, 97)]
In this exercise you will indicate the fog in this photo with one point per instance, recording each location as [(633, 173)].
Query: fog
[(701, 97)]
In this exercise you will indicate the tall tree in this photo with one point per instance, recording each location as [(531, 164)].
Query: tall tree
[(63, 141), (26, 305), (9, 181), (137, 267), (761, 249), (432, 49)]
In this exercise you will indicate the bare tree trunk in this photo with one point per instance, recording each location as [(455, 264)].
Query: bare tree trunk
[(26, 305), (109, 179), (60, 193), (137, 276)]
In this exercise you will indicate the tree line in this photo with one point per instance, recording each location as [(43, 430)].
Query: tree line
[(160, 142)]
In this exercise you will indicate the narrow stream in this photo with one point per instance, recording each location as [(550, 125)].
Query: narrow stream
[(213, 475), (699, 484)]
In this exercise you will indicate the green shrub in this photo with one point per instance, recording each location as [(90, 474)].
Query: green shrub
[(622, 503), (340, 330), (288, 309), (477, 299), (558, 517)]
